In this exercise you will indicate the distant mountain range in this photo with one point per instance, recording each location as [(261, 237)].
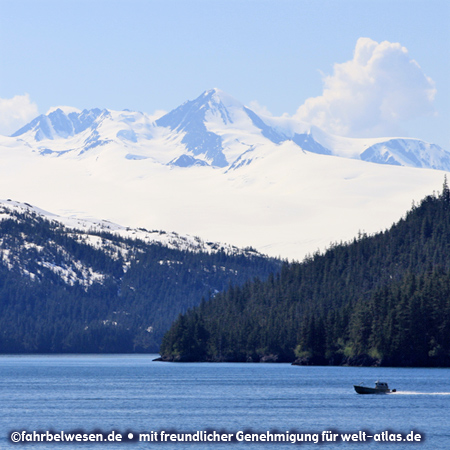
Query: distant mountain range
[(200, 195), (216, 130), (214, 168)]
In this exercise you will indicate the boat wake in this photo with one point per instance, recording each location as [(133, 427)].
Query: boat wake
[(419, 393)]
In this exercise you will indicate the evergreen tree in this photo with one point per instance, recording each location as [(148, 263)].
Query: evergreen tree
[(381, 299)]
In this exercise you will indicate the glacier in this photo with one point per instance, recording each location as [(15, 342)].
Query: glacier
[(214, 168)]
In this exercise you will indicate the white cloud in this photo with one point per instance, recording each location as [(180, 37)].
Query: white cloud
[(372, 94), (259, 109), (16, 112)]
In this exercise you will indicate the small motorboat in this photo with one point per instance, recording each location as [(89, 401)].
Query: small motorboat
[(380, 388)]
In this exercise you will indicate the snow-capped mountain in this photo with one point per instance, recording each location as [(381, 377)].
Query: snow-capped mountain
[(70, 285), (58, 124), (214, 129), (407, 152), (214, 168), (119, 246)]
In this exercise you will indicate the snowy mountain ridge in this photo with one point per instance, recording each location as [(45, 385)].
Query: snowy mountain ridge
[(93, 234), (69, 285), (10, 209), (214, 129), (214, 168)]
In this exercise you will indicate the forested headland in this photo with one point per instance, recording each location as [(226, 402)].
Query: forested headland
[(378, 300), (67, 291)]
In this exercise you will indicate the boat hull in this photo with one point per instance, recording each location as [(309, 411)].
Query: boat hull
[(369, 390)]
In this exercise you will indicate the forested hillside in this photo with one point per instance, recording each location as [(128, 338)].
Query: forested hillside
[(379, 300), (65, 290)]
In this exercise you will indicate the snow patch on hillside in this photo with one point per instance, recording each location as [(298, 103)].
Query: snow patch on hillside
[(213, 168)]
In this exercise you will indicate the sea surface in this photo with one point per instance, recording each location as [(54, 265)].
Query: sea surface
[(123, 394)]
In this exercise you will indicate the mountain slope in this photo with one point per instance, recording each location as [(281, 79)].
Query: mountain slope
[(407, 152), (379, 300), (280, 200), (213, 167), (98, 287), (189, 119), (217, 129), (58, 124)]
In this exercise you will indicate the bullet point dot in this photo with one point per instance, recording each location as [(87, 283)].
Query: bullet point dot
[(130, 436)]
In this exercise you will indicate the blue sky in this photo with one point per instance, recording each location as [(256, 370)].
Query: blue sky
[(153, 55)]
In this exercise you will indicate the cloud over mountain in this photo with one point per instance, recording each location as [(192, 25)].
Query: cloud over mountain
[(372, 94), (16, 112)]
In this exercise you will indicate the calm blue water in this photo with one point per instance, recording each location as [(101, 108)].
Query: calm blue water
[(132, 393)]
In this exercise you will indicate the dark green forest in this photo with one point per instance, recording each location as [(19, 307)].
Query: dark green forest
[(378, 300), (127, 310)]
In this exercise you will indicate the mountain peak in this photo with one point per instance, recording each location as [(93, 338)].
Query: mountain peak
[(190, 119), (213, 92), (64, 109), (208, 93), (214, 129), (216, 98), (60, 122)]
